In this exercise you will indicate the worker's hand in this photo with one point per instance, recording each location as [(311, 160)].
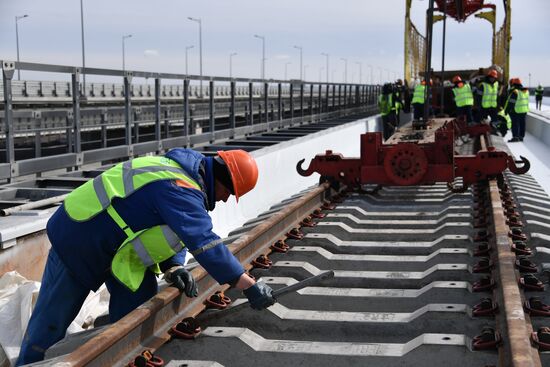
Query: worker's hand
[(183, 280), (260, 295)]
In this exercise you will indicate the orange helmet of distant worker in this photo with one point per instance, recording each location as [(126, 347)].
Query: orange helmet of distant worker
[(242, 169), (424, 82), (493, 73), (457, 79)]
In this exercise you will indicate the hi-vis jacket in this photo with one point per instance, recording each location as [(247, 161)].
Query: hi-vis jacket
[(140, 214)]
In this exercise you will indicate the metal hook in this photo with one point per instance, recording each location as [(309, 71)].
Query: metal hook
[(301, 171), (512, 165)]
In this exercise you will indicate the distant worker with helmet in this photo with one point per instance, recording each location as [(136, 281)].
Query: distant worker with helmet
[(464, 99), (131, 223), (418, 99), (517, 106), (487, 96), (539, 92), (388, 106)]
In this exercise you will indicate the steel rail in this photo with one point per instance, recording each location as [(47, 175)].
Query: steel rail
[(147, 326), (515, 326)]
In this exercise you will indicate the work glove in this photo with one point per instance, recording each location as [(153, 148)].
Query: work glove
[(260, 295), (180, 278)]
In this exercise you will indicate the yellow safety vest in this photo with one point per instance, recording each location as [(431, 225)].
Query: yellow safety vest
[(142, 249), (490, 94), (463, 96), (385, 104), (418, 96)]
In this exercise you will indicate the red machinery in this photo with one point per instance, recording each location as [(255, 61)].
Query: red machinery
[(414, 157), (462, 9)]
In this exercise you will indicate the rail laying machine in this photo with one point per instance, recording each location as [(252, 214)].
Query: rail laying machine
[(415, 156)]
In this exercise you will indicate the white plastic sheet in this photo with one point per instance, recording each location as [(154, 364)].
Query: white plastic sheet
[(17, 299)]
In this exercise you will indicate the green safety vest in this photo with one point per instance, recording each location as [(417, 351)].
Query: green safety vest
[(463, 96), (142, 249), (385, 104), (522, 101), (539, 91), (507, 118), (418, 96), (490, 94)]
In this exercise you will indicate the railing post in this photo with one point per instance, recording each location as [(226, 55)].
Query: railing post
[(75, 83), (320, 101), (280, 100), (291, 102), (212, 111), (301, 102), (104, 127), (333, 96), (157, 109), (186, 107), (311, 102), (339, 96), (37, 116), (250, 104), (266, 110), (345, 97), (232, 107), (128, 116), (8, 69)]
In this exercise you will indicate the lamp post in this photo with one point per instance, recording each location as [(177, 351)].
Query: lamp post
[(83, 54), (301, 60), (360, 71), (286, 70), (17, 17), (345, 69), (187, 48), (199, 22), (327, 56), (124, 51), (263, 54), (231, 64), (305, 69)]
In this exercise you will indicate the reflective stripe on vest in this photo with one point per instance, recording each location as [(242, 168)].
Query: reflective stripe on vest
[(463, 96), (418, 96), (141, 249), (490, 94), (522, 103), (385, 104)]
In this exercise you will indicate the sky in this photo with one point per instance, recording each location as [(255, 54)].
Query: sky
[(364, 32)]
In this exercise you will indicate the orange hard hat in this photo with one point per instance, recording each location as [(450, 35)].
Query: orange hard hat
[(457, 79), (242, 169), (493, 73), (517, 81)]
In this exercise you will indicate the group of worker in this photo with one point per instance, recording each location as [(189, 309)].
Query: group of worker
[(477, 103), (485, 96), (393, 99)]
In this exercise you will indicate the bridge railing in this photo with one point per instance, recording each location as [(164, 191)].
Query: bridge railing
[(162, 111)]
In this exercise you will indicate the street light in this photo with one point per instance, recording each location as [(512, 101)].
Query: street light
[(263, 54), (286, 70), (17, 17), (327, 56), (83, 55), (231, 64), (305, 68), (345, 69), (199, 21), (123, 51), (360, 71), (187, 48), (301, 59)]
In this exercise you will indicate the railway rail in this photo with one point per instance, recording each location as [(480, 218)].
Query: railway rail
[(423, 275)]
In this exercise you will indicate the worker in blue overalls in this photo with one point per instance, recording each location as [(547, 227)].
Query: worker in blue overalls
[(132, 223)]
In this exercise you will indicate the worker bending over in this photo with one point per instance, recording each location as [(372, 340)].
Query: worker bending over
[(131, 223), (517, 106)]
